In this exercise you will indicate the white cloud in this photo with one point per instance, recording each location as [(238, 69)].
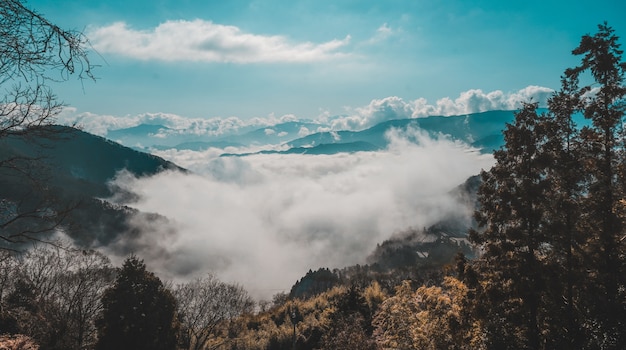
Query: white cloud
[(471, 101), (216, 126), (265, 220), (205, 41), (304, 131), (378, 110)]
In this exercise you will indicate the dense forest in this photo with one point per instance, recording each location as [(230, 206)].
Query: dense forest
[(547, 268)]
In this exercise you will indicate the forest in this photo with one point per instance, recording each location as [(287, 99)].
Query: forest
[(548, 269)]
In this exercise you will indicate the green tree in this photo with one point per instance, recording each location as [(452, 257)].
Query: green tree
[(552, 215), (565, 276), (138, 311), (603, 103), (511, 212)]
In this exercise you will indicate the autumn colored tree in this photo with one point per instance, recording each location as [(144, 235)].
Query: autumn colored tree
[(138, 311), (396, 319)]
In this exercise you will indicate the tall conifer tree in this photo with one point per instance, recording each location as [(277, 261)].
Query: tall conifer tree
[(603, 103), (553, 215), (512, 214)]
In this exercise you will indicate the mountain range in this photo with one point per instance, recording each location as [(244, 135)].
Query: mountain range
[(481, 130)]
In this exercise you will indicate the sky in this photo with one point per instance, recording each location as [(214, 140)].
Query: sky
[(309, 58)]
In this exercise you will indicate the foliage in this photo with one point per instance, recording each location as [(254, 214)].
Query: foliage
[(430, 317), (138, 311), (551, 212), (17, 342)]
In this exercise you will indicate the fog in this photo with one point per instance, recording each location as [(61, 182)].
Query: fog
[(265, 220)]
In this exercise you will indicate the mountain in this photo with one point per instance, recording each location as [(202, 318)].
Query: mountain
[(334, 148), (199, 145), (435, 245), (276, 134), (69, 168), (146, 136), (142, 135), (482, 130)]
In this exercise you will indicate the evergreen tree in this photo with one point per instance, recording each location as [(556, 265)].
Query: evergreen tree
[(565, 262), (604, 104), (553, 215), (138, 312), (512, 214)]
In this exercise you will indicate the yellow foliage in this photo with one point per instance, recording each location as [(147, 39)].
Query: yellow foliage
[(374, 296)]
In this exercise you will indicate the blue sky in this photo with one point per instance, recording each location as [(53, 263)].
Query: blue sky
[(254, 59)]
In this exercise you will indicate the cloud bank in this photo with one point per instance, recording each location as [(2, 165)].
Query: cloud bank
[(205, 41), (471, 101), (378, 110), (264, 220)]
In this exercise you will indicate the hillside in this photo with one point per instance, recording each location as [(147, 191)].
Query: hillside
[(72, 169)]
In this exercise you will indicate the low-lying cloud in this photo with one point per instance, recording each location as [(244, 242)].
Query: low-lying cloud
[(378, 110), (264, 220), (205, 41)]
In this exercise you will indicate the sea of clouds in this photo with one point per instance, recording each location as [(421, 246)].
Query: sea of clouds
[(265, 220)]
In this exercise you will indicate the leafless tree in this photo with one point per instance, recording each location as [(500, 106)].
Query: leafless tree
[(55, 294), (33, 53), (205, 306)]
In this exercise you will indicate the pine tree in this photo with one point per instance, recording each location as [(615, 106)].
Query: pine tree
[(513, 240), (553, 215), (604, 104), (565, 265), (138, 312)]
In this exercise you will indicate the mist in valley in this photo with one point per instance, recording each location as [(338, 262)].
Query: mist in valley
[(263, 220)]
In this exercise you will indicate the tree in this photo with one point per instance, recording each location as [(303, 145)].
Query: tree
[(205, 306), (53, 295), (512, 210), (553, 215), (604, 104), (396, 319), (33, 52), (138, 311), (77, 298), (565, 263)]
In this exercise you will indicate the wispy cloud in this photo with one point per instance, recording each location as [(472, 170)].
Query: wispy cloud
[(382, 33), (205, 41)]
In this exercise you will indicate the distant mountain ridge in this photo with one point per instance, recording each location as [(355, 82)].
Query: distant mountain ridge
[(481, 130)]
